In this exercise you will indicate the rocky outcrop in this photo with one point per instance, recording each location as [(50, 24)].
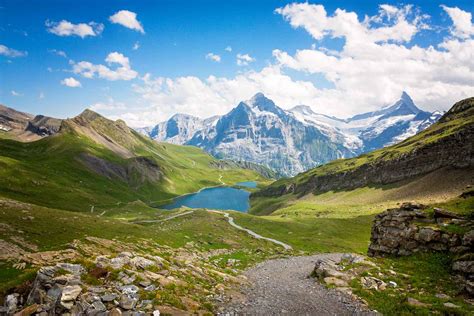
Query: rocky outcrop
[(408, 230), (44, 125), (116, 278)]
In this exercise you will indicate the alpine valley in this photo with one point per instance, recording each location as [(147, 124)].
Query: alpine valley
[(295, 140)]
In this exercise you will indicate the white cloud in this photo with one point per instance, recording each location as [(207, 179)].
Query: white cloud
[(462, 22), (122, 72), (66, 28), (228, 49), (118, 58), (244, 59), (374, 66), (127, 19), (58, 52), (71, 82), (392, 23), (41, 96), (136, 46), (377, 61), (16, 94), (10, 52), (109, 105), (213, 57)]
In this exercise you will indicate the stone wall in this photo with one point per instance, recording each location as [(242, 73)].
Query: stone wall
[(408, 229)]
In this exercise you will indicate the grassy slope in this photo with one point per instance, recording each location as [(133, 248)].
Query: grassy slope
[(47, 172)]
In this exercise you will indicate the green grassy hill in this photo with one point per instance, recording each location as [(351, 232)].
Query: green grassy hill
[(96, 161)]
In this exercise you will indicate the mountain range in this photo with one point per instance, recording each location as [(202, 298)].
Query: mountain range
[(295, 140)]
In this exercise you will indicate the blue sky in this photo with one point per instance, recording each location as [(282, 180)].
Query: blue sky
[(178, 35)]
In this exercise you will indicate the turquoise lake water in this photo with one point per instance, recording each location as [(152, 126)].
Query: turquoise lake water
[(218, 198), (247, 184)]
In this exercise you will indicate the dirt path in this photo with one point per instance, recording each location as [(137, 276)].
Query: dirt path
[(163, 220), (282, 287), (230, 219)]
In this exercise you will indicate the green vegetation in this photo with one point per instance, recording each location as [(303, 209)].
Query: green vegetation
[(55, 171), (419, 277)]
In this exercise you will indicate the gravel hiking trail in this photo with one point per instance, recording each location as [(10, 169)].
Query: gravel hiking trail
[(283, 287)]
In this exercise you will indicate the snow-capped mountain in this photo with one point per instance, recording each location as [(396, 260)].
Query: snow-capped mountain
[(373, 130), (292, 141)]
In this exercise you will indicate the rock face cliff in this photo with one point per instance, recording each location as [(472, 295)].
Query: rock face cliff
[(446, 144)]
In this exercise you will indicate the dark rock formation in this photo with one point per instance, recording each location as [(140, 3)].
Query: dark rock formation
[(44, 125)]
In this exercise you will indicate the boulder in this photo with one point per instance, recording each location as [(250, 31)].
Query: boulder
[(414, 302), (115, 312), (27, 311), (127, 302), (468, 239), (11, 302), (336, 282), (141, 262), (427, 234), (69, 295)]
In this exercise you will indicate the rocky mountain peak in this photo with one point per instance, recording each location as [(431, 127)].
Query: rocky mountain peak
[(303, 109), (403, 106), (183, 116), (89, 115), (261, 102)]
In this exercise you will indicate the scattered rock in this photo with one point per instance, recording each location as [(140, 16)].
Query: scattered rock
[(115, 312), (414, 302), (141, 263), (11, 302), (335, 281), (451, 305), (127, 302), (373, 283), (443, 296), (27, 311), (69, 294)]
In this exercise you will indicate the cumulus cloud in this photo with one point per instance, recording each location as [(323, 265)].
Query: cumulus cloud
[(66, 28), (228, 49), (374, 56), (10, 52), (244, 59), (128, 19), (16, 94), (122, 71), (378, 60), (109, 105), (71, 82), (136, 46), (462, 22), (391, 24), (213, 57)]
